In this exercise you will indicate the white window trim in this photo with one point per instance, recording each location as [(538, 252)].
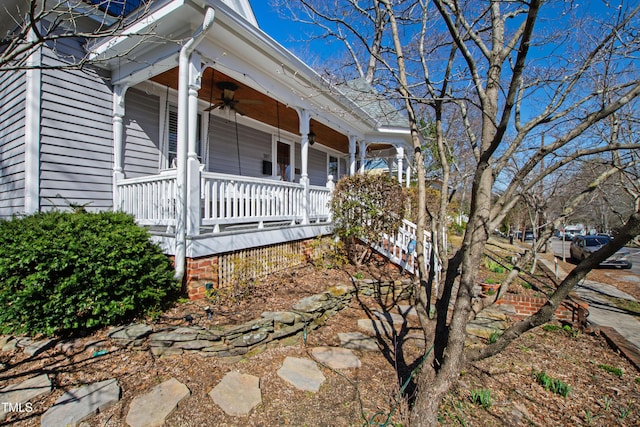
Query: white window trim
[(164, 132), (274, 156)]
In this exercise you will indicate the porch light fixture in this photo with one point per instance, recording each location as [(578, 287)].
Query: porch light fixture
[(312, 138)]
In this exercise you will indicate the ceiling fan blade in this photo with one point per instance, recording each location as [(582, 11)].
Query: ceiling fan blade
[(239, 111), (214, 106)]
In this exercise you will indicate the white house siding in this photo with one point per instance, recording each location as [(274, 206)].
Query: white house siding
[(76, 135), (12, 122), (317, 167), (254, 145), (142, 129)]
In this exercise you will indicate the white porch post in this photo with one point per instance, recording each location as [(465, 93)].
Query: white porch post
[(352, 155), (32, 119), (184, 61), (399, 159), (193, 165), (408, 176), (305, 118), (118, 141), (363, 153)]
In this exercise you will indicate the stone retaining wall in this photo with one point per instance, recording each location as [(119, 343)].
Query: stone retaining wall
[(305, 315)]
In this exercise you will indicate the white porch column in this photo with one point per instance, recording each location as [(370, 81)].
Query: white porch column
[(118, 141), (305, 118), (352, 155), (363, 153), (408, 176), (399, 159), (32, 119), (193, 164), (184, 66)]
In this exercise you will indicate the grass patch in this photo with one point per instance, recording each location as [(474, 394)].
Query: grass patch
[(481, 397), (625, 304), (552, 384), (551, 328), (612, 370)]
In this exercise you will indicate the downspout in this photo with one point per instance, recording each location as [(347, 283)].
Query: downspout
[(183, 134)]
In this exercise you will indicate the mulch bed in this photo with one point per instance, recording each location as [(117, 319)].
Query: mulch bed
[(349, 397)]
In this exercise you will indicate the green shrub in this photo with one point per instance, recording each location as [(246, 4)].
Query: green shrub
[(62, 273)]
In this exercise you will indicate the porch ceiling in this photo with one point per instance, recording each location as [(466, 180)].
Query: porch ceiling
[(266, 109)]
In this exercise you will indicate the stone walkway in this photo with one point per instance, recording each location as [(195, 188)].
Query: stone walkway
[(237, 394)]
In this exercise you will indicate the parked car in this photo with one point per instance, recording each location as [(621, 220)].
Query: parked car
[(583, 246), (572, 231)]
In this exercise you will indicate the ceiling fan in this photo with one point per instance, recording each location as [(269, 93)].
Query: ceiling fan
[(227, 101)]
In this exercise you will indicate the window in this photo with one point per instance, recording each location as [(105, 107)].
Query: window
[(333, 167), (172, 137), (283, 155)]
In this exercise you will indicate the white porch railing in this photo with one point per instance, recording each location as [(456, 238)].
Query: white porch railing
[(150, 199), (319, 198), (230, 199), (225, 200), (400, 247)]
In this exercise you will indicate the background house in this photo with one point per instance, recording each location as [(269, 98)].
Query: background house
[(195, 121)]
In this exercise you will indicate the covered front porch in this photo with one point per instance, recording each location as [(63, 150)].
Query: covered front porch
[(226, 141)]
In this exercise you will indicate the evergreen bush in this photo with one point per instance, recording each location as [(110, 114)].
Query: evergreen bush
[(66, 272)]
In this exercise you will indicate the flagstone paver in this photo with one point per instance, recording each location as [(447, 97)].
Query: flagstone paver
[(377, 327), (22, 392), (237, 394), (78, 404), (336, 357), (152, 409), (37, 347), (10, 345), (393, 318), (358, 341), (303, 374)]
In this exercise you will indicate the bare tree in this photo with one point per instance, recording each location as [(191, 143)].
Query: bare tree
[(28, 25), (514, 71)]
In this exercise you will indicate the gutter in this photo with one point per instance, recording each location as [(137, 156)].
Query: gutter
[(183, 136)]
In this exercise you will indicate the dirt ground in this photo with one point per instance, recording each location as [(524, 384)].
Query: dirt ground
[(365, 396)]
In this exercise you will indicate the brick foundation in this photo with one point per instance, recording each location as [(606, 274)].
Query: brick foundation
[(204, 270), (199, 272)]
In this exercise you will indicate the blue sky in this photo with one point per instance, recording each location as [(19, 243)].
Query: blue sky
[(271, 23), (288, 33)]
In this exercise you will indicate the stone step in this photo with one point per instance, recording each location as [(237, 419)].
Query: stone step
[(358, 341), (303, 374), (237, 394), (152, 408), (80, 403), (336, 357), (23, 392), (378, 327)]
